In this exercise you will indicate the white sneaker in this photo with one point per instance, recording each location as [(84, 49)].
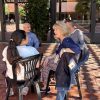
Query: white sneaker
[(11, 92), (25, 90)]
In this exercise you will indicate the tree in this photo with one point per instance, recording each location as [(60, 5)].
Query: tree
[(22, 13), (6, 9), (7, 12), (83, 7), (37, 15)]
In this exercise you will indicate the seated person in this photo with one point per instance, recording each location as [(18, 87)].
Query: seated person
[(51, 62), (31, 38), (16, 49)]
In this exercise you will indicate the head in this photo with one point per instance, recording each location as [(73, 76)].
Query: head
[(27, 27), (60, 30), (16, 38), (70, 24)]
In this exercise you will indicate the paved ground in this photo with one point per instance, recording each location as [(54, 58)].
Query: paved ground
[(89, 77)]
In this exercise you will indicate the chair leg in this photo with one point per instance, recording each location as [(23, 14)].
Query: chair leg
[(20, 96), (8, 88), (8, 92), (46, 92), (38, 90), (78, 85), (66, 97), (32, 88)]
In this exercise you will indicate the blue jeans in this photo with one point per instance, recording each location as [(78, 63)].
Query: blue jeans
[(61, 92)]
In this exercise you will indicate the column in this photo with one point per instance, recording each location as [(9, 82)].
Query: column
[(16, 14), (52, 15), (60, 9), (93, 20), (2, 17)]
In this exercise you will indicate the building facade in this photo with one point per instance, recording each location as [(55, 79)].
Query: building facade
[(68, 9)]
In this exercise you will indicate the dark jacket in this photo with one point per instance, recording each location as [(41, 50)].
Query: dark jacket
[(63, 76), (69, 43)]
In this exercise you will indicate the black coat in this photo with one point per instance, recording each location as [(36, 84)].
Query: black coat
[(63, 77)]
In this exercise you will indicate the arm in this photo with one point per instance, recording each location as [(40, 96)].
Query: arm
[(69, 43), (36, 42), (66, 50), (80, 38), (4, 54)]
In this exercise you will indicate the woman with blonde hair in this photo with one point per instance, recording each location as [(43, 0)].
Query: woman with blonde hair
[(51, 62)]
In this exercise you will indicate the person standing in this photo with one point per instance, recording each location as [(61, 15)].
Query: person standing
[(31, 38)]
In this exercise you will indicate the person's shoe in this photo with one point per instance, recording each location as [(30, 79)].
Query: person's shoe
[(25, 90), (44, 90), (11, 92)]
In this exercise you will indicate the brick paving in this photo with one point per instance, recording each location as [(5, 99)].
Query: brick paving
[(89, 76)]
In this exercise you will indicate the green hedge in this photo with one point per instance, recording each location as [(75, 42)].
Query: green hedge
[(37, 14)]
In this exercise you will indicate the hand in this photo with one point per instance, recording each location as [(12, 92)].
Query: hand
[(68, 50), (65, 50)]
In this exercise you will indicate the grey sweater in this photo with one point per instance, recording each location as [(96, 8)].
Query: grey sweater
[(77, 37)]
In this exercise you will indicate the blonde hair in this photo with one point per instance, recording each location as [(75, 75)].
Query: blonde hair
[(62, 26)]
